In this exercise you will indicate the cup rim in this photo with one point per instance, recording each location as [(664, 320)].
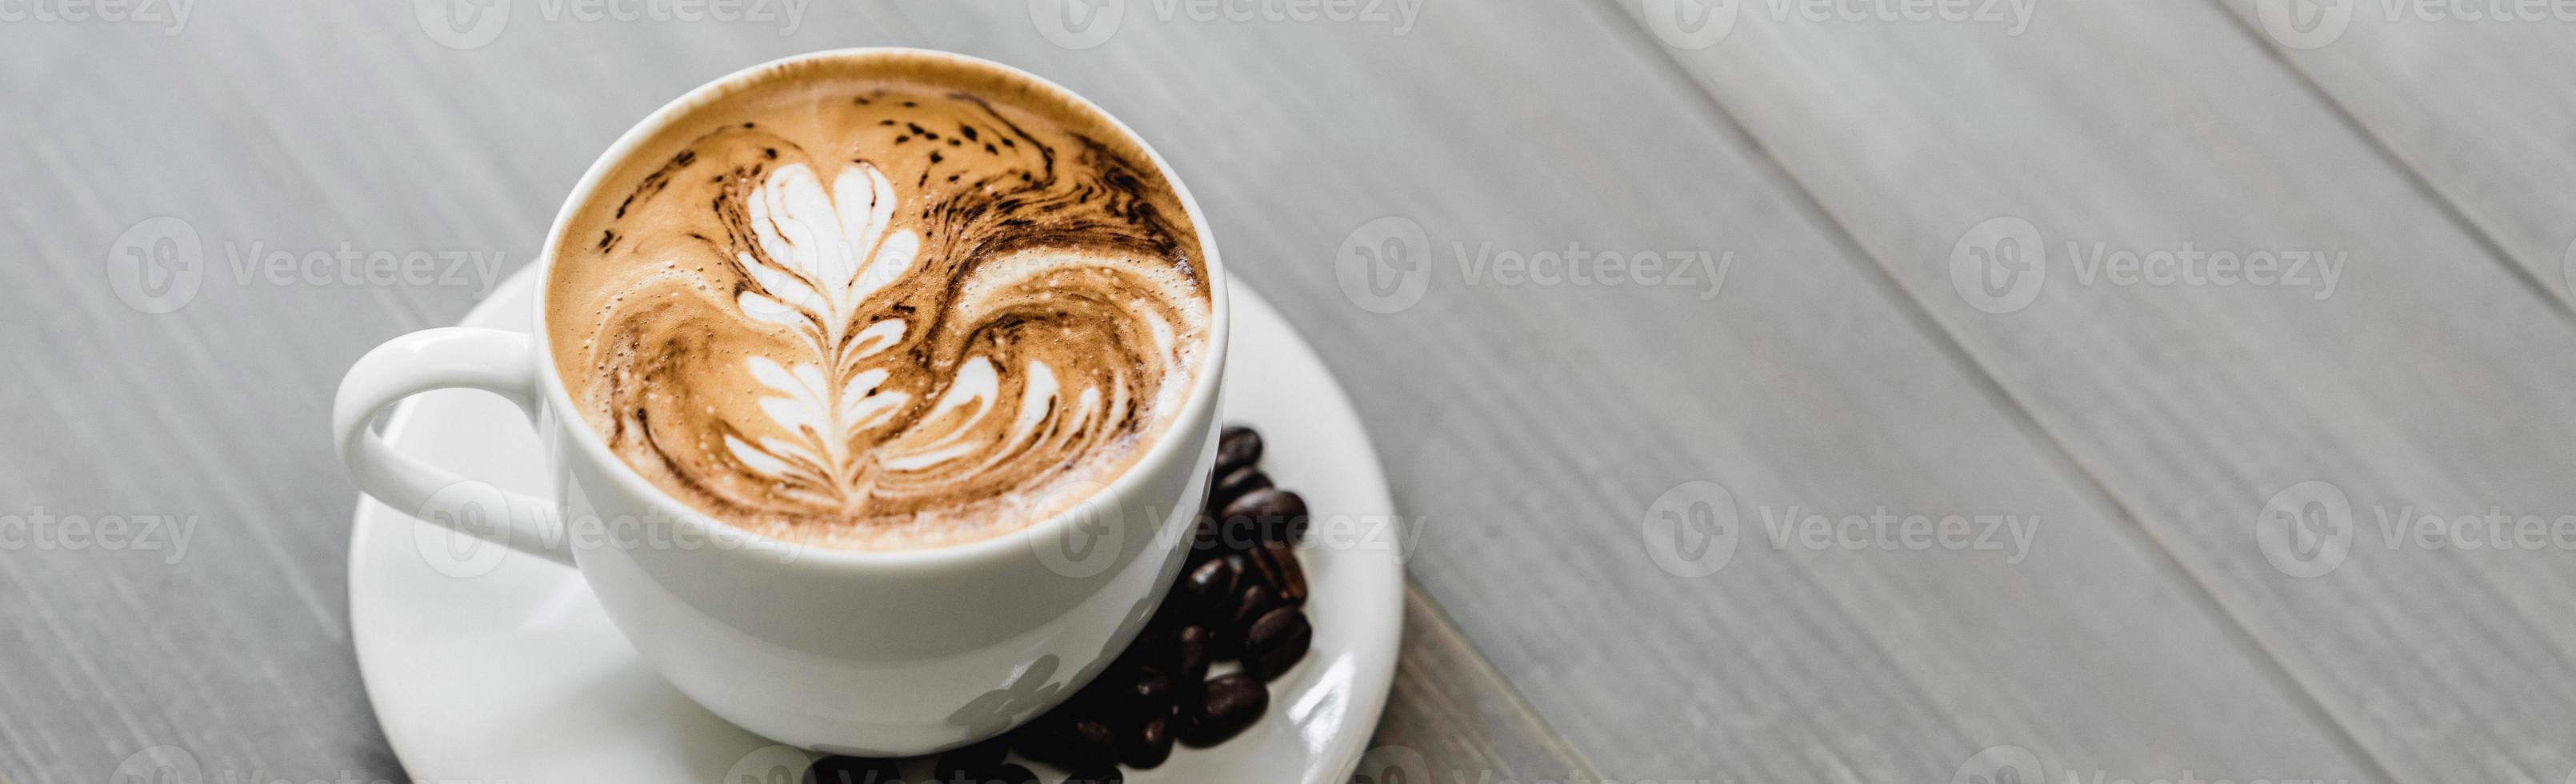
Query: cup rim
[(1164, 449)]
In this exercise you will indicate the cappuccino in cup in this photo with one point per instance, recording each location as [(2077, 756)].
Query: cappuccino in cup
[(891, 304)]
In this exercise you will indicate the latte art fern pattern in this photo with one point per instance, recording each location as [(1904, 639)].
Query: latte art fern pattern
[(820, 256), (880, 317)]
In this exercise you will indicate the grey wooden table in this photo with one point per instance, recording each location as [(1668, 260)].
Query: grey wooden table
[(2234, 334)]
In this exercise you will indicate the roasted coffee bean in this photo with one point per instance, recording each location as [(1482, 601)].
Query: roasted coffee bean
[(1258, 568), (971, 759), (1276, 515), (1249, 606), (1243, 574), (1276, 642), (1139, 697), (1233, 485), (1233, 702), (852, 770), (1146, 746), (1093, 744), (1277, 564), (1237, 447), (1193, 649), (1205, 589)]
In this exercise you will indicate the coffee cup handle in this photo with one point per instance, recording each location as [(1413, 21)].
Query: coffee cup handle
[(491, 360)]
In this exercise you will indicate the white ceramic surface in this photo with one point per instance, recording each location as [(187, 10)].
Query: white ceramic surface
[(486, 664)]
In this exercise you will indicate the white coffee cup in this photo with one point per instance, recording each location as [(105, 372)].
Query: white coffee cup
[(886, 653)]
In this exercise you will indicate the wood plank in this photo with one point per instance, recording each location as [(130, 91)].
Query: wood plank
[(2479, 105), (1452, 717), (2427, 381), (1530, 428)]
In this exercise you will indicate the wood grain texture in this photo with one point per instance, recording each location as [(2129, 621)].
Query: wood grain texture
[(2478, 104), (1452, 717), (2426, 385)]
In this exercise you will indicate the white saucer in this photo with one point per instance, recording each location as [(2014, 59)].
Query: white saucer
[(492, 667)]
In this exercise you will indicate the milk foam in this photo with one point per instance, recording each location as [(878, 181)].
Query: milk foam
[(881, 308)]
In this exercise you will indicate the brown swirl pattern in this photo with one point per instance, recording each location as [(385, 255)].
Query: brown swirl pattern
[(880, 312)]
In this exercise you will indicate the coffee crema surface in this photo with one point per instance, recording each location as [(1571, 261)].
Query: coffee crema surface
[(881, 304)]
